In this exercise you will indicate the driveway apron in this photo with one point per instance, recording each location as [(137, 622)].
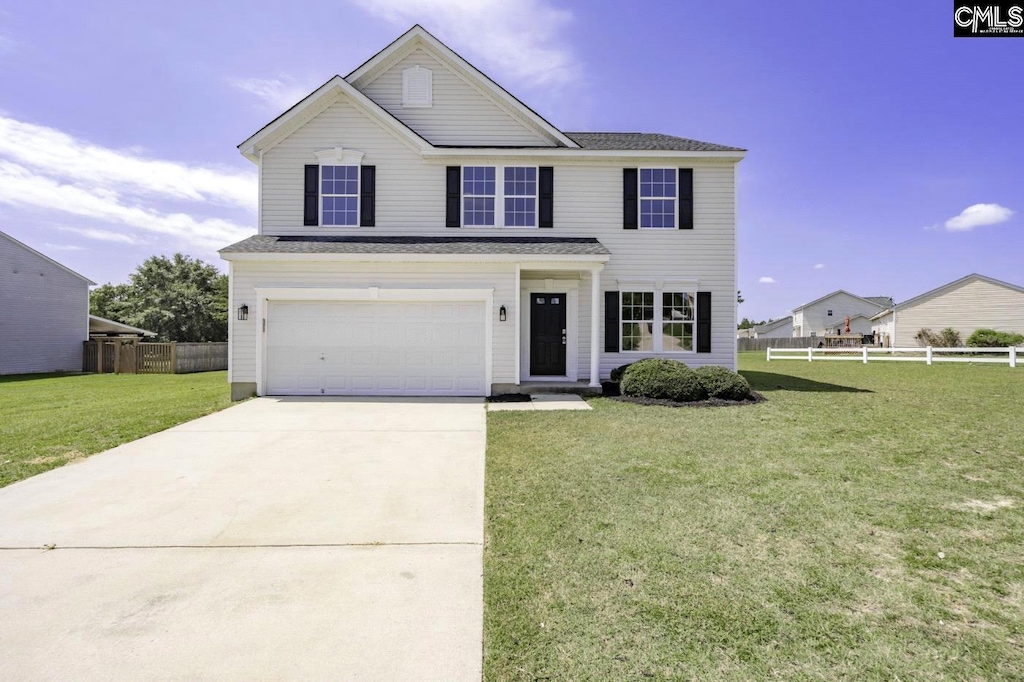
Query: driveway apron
[(283, 538)]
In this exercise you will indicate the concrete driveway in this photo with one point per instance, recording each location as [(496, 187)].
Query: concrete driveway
[(287, 538)]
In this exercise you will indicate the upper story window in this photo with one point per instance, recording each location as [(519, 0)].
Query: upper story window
[(417, 87), (657, 197), (516, 196), (478, 190), (339, 187), (830, 312), (520, 197)]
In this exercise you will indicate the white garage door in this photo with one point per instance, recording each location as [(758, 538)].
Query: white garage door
[(375, 348)]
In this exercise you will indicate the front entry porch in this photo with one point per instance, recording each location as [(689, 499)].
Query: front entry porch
[(557, 327)]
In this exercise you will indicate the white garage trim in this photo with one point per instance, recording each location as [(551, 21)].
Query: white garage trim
[(266, 294)]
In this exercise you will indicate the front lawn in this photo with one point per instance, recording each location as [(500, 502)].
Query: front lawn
[(47, 421), (866, 522)]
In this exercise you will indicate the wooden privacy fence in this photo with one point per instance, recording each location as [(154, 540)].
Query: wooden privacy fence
[(127, 356), (928, 354), (781, 342)]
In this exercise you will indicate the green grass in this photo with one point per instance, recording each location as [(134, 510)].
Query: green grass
[(799, 538), (47, 421)]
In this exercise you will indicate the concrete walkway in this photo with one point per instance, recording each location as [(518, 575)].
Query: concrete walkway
[(279, 539)]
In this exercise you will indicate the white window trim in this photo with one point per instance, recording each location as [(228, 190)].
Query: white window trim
[(640, 199), (658, 337), (499, 198), (339, 156)]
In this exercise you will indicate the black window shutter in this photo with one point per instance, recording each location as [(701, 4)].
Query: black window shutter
[(367, 196), (453, 197), (629, 205), (611, 322), (703, 321), (546, 185), (311, 198), (685, 198)]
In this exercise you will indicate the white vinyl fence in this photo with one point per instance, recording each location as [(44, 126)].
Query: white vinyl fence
[(929, 355)]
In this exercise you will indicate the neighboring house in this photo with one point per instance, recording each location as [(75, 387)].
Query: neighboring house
[(747, 333), (101, 327), (423, 232), (827, 315), (968, 304), (44, 308), (776, 329)]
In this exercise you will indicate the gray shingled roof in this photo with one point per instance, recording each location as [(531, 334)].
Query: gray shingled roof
[(884, 301), (645, 142), (550, 246)]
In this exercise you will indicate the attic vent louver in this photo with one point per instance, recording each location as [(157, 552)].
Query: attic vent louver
[(417, 87)]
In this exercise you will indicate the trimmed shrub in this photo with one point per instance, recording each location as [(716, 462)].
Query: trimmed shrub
[(990, 338), (947, 338), (616, 374), (723, 383), (662, 379)]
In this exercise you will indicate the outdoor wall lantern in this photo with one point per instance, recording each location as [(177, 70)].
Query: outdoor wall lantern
[(243, 312), (502, 315)]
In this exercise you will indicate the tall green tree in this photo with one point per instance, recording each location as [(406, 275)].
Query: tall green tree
[(179, 298)]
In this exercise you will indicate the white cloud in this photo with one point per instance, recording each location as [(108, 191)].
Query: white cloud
[(63, 247), (21, 187), (978, 215), (102, 235), (59, 155), (123, 194), (276, 93), (521, 39), (767, 280), (819, 266)]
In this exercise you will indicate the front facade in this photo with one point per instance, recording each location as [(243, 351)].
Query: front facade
[(827, 315), (966, 305), (423, 232), (44, 312)]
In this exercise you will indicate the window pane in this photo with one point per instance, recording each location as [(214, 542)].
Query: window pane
[(478, 211), (520, 212), (677, 336)]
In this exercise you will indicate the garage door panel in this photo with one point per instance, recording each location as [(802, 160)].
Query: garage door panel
[(375, 348)]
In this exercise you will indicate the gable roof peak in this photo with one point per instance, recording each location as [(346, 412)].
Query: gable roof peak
[(417, 36)]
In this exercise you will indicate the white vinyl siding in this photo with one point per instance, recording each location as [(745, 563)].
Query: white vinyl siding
[(410, 200), (587, 203), (44, 311), (975, 304), (248, 275), (460, 113)]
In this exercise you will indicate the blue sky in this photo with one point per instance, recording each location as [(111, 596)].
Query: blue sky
[(885, 155)]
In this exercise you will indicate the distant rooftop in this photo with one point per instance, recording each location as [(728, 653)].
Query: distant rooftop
[(645, 142)]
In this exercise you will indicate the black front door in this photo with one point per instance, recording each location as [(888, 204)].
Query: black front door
[(547, 334)]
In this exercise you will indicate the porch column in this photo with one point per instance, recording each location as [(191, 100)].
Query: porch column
[(595, 326)]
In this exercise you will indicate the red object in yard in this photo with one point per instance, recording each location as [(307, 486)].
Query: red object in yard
[(847, 324)]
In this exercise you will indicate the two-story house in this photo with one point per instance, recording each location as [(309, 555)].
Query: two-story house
[(423, 232), (827, 315)]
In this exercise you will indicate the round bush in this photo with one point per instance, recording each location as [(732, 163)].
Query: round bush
[(616, 374), (661, 379), (722, 383)]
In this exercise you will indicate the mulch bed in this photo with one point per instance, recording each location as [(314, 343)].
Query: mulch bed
[(713, 402), (510, 398)]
